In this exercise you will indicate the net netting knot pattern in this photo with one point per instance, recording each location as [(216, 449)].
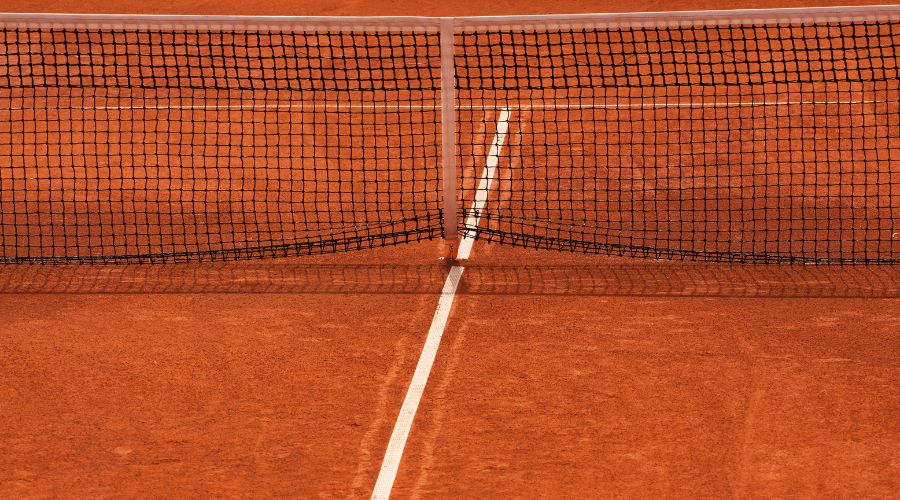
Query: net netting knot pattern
[(745, 136)]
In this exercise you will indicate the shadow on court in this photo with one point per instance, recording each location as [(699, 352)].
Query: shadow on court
[(616, 278)]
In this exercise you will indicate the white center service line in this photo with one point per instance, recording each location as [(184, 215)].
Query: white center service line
[(484, 184), (402, 426)]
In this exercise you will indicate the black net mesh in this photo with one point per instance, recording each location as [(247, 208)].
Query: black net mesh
[(746, 142), (170, 145)]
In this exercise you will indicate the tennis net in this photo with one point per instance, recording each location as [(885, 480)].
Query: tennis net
[(157, 139), (748, 136)]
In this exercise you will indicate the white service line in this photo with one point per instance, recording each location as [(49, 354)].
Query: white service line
[(394, 453), (536, 106)]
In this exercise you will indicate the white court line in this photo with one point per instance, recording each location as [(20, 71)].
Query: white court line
[(394, 453), (474, 107), (484, 184)]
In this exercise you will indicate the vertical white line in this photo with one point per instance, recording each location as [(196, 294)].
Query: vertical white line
[(484, 185), (402, 426)]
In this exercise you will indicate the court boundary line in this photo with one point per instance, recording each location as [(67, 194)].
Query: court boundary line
[(403, 425), (436, 107)]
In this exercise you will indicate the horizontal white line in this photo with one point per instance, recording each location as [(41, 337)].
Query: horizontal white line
[(724, 104), (435, 107)]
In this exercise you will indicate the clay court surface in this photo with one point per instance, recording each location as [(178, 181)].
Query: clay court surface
[(558, 374)]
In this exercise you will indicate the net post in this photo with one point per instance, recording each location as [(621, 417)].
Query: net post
[(448, 136)]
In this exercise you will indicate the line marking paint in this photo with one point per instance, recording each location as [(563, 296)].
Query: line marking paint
[(538, 106), (394, 453), (404, 422), (484, 184)]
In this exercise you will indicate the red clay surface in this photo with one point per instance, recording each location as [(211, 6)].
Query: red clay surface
[(560, 375), (190, 385), (396, 8), (614, 386)]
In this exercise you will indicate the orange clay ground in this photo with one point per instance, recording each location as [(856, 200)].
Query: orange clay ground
[(559, 375)]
